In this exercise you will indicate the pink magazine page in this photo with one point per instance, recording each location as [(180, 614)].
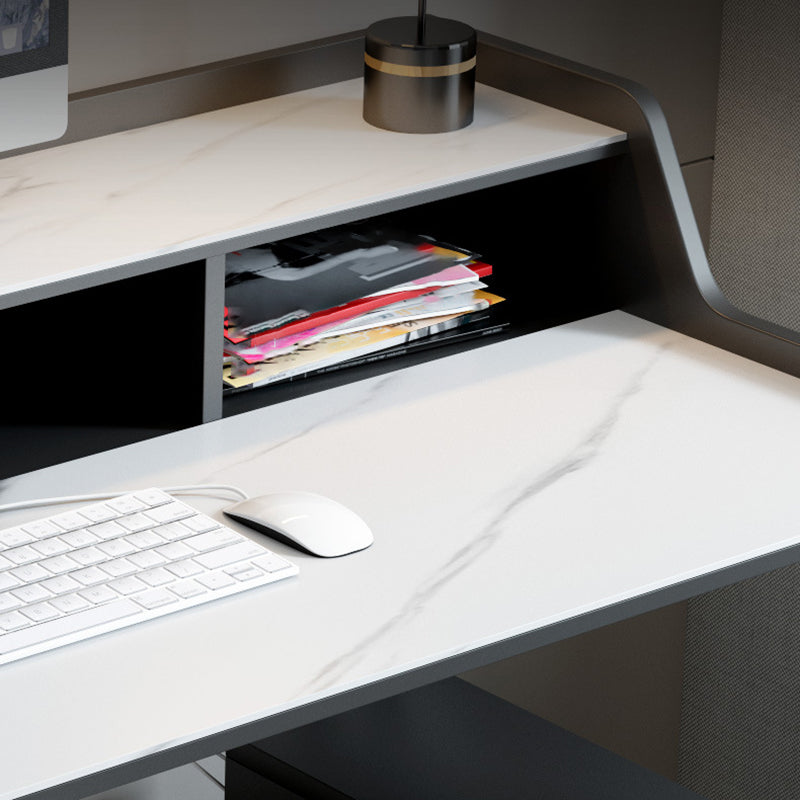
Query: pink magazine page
[(448, 300)]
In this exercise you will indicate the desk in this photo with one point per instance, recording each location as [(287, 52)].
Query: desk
[(519, 493)]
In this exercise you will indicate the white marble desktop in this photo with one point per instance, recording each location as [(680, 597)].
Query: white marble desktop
[(510, 487), (94, 205)]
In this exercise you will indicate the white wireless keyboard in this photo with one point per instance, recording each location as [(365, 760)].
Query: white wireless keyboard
[(115, 563)]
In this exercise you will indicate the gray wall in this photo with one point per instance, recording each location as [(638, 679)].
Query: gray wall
[(670, 46), (619, 686)]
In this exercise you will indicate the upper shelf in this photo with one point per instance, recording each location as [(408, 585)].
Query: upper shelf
[(69, 213)]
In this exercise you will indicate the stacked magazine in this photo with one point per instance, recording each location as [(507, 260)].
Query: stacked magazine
[(344, 296)]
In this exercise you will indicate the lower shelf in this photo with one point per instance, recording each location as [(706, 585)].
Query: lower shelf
[(447, 740)]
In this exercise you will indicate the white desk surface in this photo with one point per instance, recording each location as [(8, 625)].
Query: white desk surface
[(94, 205), (510, 487)]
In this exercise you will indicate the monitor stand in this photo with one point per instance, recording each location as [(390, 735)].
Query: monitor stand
[(34, 107)]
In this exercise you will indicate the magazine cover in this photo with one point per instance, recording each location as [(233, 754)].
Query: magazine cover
[(272, 286), (447, 300), (460, 274), (335, 350)]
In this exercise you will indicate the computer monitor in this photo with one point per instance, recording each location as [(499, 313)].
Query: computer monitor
[(33, 71)]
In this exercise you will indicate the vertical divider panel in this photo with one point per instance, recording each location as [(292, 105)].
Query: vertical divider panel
[(213, 320)]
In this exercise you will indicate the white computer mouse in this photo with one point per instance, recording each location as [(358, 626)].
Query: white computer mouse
[(310, 522)]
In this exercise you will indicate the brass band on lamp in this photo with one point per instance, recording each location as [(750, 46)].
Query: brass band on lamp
[(419, 79), (419, 72)]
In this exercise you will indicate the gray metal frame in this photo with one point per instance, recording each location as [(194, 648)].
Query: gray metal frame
[(677, 288)]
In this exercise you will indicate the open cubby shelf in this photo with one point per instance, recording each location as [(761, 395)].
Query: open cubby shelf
[(133, 345), (524, 229)]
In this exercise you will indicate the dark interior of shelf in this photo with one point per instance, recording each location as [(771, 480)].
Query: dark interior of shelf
[(87, 370)]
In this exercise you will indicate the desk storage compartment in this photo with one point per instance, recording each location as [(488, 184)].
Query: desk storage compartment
[(120, 361), (446, 741), (554, 244)]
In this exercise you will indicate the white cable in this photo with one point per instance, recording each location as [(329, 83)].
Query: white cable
[(85, 498)]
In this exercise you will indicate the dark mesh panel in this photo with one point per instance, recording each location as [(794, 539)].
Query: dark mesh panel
[(740, 725), (740, 716), (755, 225)]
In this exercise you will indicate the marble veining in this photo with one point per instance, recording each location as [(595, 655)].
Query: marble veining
[(96, 205), (583, 454), (372, 389), (587, 450), (510, 487)]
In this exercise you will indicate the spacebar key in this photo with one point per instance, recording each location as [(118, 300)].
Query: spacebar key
[(71, 624)]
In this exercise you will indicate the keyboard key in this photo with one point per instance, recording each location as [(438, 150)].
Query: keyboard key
[(175, 550), (153, 497), (31, 593), (157, 577), (11, 622), (128, 585), (229, 555), (98, 594), (30, 573), (126, 504), (147, 559), (244, 572), (66, 625), (5, 563), (173, 530), (70, 602), (40, 612), (41, 528), (7, 581), (89, 555), (99, 513), (51, 547), (70, 521), (213, 539), (8, 601), (22, 555), (90, 576), (215, 580), (135, 522), (80, 538), (59, 564), (119, 567), (13, 537), (184, 569), (117, 547), (156, 598), (201, 523), (144, 539), (61, 584), (188, 588), (171, 512), (108, 530), (272, 563)]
